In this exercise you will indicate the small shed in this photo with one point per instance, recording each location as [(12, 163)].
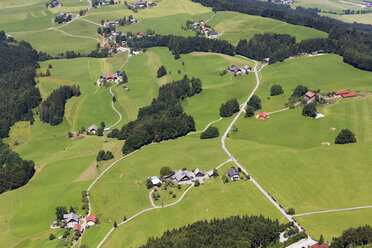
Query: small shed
[(341, 92), (349, 95)]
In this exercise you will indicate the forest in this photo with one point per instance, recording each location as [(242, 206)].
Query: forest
[(18, 62), (235, 231), (352, 41), (52, 109), (353, 237), (164, 119), (181, 45), (14, 172)]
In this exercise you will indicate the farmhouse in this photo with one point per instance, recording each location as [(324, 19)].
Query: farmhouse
[(111, 23), (262, 116), (91, 220), (78, 228), (237, 70), (183, 177), (71, 219), (138, 4), (155, 180), (349, 95), (199, 173), (140, 34), (310, 96), (113, 77), (233, 174), (213, 35), (341, 92), (92, 129), (151, 3)]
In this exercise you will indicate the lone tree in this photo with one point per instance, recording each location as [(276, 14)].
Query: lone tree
[(60, 211), (300, 91), (255, 102), (229, 108), (309, 110), (249, 111), (291, 211), (165, 171), (321, 239), (276, 90), (99, 132), (125, 77), (161, 71), (345, 136), (211, 132)]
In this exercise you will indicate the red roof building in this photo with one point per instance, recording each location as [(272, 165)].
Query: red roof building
[(310, 94), (110, 77), (141, 34), (349, 95), (91, 217), (108, 46), (262, 116), (117, 45), (77, 227), (324, 245), (341, 92)]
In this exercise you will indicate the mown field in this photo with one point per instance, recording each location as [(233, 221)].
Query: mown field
[(359, 18), (284, 154), (329, 5)]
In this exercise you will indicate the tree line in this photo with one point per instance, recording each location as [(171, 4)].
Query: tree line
[(352, 41), (163, 119), (14, 171), (52, 109), (353, 237), (18, 94), (235, 231)]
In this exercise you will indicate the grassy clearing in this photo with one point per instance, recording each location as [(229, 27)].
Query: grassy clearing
[(212, 200), (360, 18), (333, 224), (328, 5)]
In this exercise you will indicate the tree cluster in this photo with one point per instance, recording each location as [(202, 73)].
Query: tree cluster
[(211, 132), (310, 110), (103, 155), (52, 109), (182, 45), (276, 90), (18, 94), (235, 231), (14, 171), (345, 137), (61, 18), (229, 108), (255, 102), (353, 237), (162, 71), (164, 118)]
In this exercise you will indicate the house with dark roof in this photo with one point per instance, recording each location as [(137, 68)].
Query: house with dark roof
[(233, 174), (236, 70), (198, 173), (138, 4), (92, 129), (71, 219), (183, 177), (213, 35)]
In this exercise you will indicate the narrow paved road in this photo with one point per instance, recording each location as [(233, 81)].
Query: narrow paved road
[(113, 107), (331, 211), (210, 123)]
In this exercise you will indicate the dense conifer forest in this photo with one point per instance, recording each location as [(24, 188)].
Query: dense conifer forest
[(353, 237), (18, 94), (164, 119), (52, 109), (235, 231), (14, 172)]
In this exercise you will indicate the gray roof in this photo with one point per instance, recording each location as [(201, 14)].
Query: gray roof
[(199, 171), (233, 172), (71, 216), (246, 67), (234, 69), (93, 127), (183, 175)]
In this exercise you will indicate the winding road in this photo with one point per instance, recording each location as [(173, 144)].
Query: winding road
[(113, 107)]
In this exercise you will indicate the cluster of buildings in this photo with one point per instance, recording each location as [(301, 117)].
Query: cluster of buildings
[(204, 30), (113, 77), (239, 71), (54, 4), (182, 177), (368, 4), (344, 94), (142, 4), (73, 221)]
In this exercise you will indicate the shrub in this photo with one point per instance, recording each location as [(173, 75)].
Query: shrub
[(161, 71), (249, 111), (276, 90), (197, 183), (211, 132), (255, 102), (300, 91), (51, 236), (70, 135), (291, 211), (102, 155), (229, 108), (174, 196), (166, 171), (310, 110), (345, 136), (179, 186), (99, 132)]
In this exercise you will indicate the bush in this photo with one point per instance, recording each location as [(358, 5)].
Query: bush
[(300, 91), (255, 102), (70, 135), (174, 196), (166, 171), (276, 90), (310, 110), (345, 137), (52, 236), (229, 108), (211, 132), (99, 132), (291, 211), (197, 183), (249, 111), (161, 71), (102, 155)]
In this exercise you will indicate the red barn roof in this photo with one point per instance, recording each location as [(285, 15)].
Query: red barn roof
[(77, 227), (117, 45), (110, 77), (141, 33), (108, 46), (92, 217), (310, 94), (263, 114), (324, 245), (341, 92), (349, 95)]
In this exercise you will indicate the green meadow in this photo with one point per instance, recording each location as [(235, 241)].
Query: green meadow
[(359, 18), (329, 5)]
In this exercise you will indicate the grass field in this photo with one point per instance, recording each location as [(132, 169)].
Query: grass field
[(298, 171), (329, 5), (360, 18)]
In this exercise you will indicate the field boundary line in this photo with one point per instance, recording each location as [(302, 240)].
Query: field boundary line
[(331, 211)]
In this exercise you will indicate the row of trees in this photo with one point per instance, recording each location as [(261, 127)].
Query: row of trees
[(18, 94), (345, 39), (235, 231), (164, 118), (229, 108), (211, 132), (14, 171), (53, 108)]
